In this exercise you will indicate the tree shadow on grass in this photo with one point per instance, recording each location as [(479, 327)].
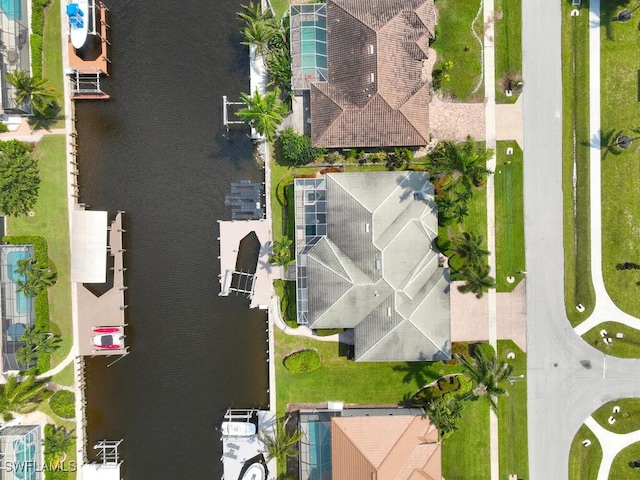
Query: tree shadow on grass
[(609, 14), (420, 373)]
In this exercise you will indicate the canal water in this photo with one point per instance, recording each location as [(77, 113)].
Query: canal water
[(157, 149)]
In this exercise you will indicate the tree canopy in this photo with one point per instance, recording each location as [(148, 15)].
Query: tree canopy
[(487, 374), (460, 164), (35, 91), (263, 112), (19, 178)]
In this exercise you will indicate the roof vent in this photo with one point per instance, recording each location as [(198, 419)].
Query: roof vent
[(371, 49), (367, 227), (388, 311), (373, 77), (378, 264)]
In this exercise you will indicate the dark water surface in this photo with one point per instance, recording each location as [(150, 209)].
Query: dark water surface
[(156, 149)]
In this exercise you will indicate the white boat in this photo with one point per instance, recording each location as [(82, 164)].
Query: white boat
[(78, 17), (255, 472), (238, 429), (113, 340)]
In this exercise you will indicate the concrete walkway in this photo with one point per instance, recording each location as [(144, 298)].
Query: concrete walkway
[(490, 138), (611, 443), (605, 309)]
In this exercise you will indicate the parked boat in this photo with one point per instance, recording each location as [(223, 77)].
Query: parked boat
[(78, 15), (238, 429)]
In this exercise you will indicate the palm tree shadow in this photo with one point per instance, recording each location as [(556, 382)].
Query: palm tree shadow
[(41, 123), (417, 372), (605, 141)]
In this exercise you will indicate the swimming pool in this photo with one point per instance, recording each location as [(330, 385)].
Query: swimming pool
[(12, 9), (25, 458), (22, 302), (319, 450)]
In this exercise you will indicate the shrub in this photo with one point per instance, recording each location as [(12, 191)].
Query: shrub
[(449, 384), (483, 349), (297, 149), (3, 128), (36, 54), (63, 404), (460, 349), (333, 157), (302, 361), (425, 395)]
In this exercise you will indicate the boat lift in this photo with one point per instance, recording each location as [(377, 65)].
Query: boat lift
[(225, 112)]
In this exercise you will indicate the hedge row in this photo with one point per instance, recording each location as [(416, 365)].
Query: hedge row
[(41, 253), (37, 32), (302, 361), (50, 474)]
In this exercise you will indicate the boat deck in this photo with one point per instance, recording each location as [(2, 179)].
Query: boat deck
[(231, 233), (107, 310)]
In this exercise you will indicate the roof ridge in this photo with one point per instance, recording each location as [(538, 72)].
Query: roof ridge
[(348, 278), (346, 190)]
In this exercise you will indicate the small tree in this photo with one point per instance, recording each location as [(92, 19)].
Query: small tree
[(37, 92), (263, 112), (280, 443), (19, 178), (297, 149), (477, 280), (469, 247), (20, 396), (282, 252), (57, 440)]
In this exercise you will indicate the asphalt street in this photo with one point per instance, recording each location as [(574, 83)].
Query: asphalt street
[(567, 379)]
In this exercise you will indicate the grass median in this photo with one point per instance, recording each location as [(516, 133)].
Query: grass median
[(575, 164), (584, 462)]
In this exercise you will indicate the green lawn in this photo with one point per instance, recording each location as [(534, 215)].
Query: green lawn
[(584, 462), (455, 42), (575, 160), (508, 45), (512, 415), (65, 377), (466, 454), (621, 468), (281, 6), (627, 421), (52, 222), (346, 380), (509, 200), (626, 347), (620, 172)]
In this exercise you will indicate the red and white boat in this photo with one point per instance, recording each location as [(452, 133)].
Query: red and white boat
[(111, 340)]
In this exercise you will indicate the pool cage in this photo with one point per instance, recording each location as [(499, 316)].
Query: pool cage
[(14, 51), (315, 445), (20, 453), (310, 227), (308, 44), (18, 312)]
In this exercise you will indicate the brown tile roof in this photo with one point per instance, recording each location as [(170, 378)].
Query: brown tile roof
[(385, 448), (377, 93)]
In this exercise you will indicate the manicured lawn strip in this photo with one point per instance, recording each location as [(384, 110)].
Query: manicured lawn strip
[(455, 42), (575, 105), (620, 467), (508, 44), (65, 377), (346, 380), (584, 462), (51, 221), (509, 201), (52, 47), (466, 453), (512, 415), (279, 6), (620, 173), (626, 347), (631, 423)]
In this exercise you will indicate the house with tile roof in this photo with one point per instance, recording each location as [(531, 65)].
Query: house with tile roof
[(370, 87), (366, 261), (359, 442)]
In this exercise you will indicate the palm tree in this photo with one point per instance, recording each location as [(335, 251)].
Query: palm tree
[(476, 280), (38, 92), (20, 396), (444, 414), (32, 336), (486, 373), (469, 247), (24, 266), (258, 33), (43, 277), (280, 443), (26, 356), (282, 252), (56, 443), (460, 212), (27, 288), (49, 343), (252, 12), (463, 163), (263, 112), (37, 279)]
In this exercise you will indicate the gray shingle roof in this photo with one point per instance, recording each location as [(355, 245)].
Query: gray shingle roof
[(376, 271), (377, 92)]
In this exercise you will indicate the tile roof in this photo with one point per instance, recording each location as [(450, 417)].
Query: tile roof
[(393, 448), (377, 94), (376, 270)]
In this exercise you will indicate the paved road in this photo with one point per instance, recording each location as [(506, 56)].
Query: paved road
[(568, 379)]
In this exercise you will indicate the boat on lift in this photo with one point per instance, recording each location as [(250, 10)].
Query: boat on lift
[(78, 16)]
